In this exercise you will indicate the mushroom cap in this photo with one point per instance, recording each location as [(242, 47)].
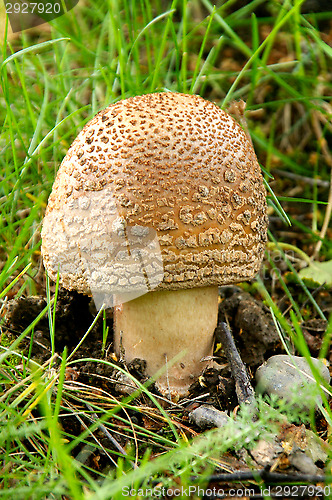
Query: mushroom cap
[(169, 174)]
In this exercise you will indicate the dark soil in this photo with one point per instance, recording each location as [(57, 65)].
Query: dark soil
[(253, 330), (252, 325), (250, 321)]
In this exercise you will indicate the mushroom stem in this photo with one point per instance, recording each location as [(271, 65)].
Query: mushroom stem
[(160, 325)]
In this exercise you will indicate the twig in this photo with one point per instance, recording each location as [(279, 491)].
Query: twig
[(268, 477), (109, 436), (263, 477), (208, 416), (302, 178), (328, 158), (272, 479), (67, 403), (244, 390), (237, 110), (167, 379)]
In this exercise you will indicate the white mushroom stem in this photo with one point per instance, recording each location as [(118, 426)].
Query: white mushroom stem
[(160, 325)]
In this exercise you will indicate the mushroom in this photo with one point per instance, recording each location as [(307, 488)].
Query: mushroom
[(159, 200)]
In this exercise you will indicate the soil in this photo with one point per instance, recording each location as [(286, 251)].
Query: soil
[(251, 324), (250, 321), (254, 333)]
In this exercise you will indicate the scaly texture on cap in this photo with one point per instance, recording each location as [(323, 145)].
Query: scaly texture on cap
[(179, 165)]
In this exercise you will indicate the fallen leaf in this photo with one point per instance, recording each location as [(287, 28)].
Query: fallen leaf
[(318, 272)]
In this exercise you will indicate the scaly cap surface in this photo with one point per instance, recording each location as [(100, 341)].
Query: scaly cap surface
[(173, 165)]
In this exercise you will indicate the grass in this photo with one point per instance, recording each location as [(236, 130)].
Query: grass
[(271, 55)]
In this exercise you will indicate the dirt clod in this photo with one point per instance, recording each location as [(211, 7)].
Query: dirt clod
[(72, 319), (253, 328)]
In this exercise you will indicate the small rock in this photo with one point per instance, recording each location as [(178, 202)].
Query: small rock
[(290, 378), (207, 416), (265, 452), (125, 384), (303, 462), (316, 447), (292, 446)]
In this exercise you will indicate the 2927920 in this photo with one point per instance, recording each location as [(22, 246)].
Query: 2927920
[(297, 491), (33, 7)]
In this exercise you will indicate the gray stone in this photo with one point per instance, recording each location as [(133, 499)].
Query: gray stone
[(125, 384), (290, 378), (207, 416), (303, 462), (316, 447)]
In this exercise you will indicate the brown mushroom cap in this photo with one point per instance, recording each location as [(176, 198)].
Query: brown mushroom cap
[(171, 162)]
